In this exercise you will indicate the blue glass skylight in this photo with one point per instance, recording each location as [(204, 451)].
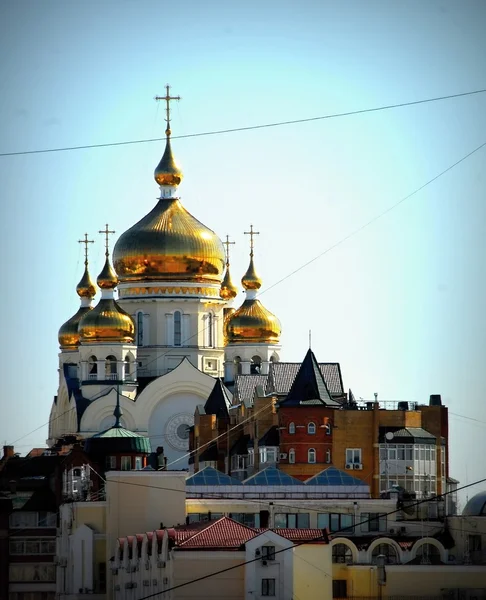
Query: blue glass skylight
[(210, 476), (333, 476), (271, 476)]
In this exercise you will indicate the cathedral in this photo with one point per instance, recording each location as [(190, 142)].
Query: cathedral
[(156, 350)]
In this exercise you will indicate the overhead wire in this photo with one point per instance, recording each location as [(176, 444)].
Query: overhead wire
[(250, 127)]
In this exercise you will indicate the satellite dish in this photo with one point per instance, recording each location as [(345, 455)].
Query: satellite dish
[(389, 436)]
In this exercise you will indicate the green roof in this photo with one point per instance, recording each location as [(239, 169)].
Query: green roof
[(117, 439)]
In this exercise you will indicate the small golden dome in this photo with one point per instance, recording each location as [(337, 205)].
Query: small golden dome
[(252, 323), (228, 289), (169, 244), (107, 322), (86, 287), (107, 279), (68, 335), (251, 280), (168, 172)]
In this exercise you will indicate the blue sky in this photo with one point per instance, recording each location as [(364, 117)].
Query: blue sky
[(400, 305)]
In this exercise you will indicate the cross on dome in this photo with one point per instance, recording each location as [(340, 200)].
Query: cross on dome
[(251, 233), (107, 232), (86, 242), (227, 243), (167, 98)]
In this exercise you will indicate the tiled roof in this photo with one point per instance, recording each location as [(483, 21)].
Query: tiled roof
[(309, 385), (271, 476), (333, 476), (210, 476), (304, 535), (219, 400), (245, 387), (282, 375), (223, 533), (414, 432)]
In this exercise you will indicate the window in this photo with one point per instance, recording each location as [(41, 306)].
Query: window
[(388, 551), (126, 463), (292, 521), (429, 554), (268, 552), (335, 522), (138, 463), (248, 519), (251, 457), (202, 517), (110, 462), (92, 367), (373, 522), (311, 456), (353, 455), (291, 456), (177, 328), (27, 520), (110, 367), (140, 328), (291, 428), (311, 428), (328, 456), (237, 362), (32, 572), (128, 368), (339, 588), (33, 546), (256, 365), (102, 577), (327, 427), (268, 587), (475, 543), (341, 554), (210, 330)]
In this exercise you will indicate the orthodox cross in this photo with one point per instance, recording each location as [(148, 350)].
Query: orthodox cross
[(86, 242), (167, 99), (107, 232), (227, 244), (251, 233)]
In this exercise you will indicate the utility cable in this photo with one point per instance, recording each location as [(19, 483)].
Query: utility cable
[(250, 127)]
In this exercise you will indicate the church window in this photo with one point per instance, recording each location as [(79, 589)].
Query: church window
[(210, 330), (177, 328), (311, 428), (292, 428), (311, 456), (256, 365), (237, 365), (92, 367), (327, 427), (291, 456), (110, 367), (128, 368), (126, 463), (140, 328)]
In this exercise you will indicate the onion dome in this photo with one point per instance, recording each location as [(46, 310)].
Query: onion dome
[(68, 335), (228, 289), (169, 244), (251, 280), (107, 322)]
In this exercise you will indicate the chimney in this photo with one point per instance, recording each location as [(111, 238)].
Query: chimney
[(8, 452), (435, 400)]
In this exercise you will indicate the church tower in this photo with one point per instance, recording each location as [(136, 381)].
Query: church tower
[(170, 268), (252, 332)]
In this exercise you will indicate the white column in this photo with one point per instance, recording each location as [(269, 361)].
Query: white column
[(101, 369), (264, 367), (120, 369), (245, 367)]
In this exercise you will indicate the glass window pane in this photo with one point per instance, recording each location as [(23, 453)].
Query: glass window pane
[(323, 521), (281, 520), (303, 521), (347, 522), (335, 522), (292, 521)]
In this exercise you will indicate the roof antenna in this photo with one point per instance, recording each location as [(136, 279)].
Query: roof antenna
[(310, 339)]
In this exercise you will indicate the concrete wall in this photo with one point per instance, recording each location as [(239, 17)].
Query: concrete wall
[(312, 572)]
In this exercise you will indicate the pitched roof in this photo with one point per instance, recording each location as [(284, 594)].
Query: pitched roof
[(271, 476), (241, 445), (219, 400), (406, 432), (245, 387), (223, 533), (210, 476), (270, 438), (333, 476), (309, 386)]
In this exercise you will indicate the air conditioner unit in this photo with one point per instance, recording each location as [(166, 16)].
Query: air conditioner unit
[(392, 531), (349, 466), (282, 455), (358, 467), (264, 563), (257, 552)]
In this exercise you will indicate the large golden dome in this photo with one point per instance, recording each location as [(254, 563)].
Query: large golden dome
[(169, 244), (252, 323)]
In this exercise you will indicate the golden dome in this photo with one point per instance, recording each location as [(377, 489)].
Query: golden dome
[(86, 287), (228, 289), (169, 244), (252, 323), (168, 171), (251, 280), (107, 279), (68, 335), (107, 322)]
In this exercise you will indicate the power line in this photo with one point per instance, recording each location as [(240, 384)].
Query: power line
[(250, 127), (317, 539)]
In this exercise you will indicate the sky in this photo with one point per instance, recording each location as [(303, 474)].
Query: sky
[(400, 304)]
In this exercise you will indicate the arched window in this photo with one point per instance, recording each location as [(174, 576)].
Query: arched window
[(311, 428), (128, 367), (327, 428), (292, 456), (311, 456), (177, 328), (256, 365), (92, 367), (428, 554), (328, 456), (210, 330), (237, 362), (110, 367), (292, 428), (388, 551), (342, 554), (140, 328)]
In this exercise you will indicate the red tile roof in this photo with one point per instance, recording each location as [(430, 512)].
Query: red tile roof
[(223, 533)]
